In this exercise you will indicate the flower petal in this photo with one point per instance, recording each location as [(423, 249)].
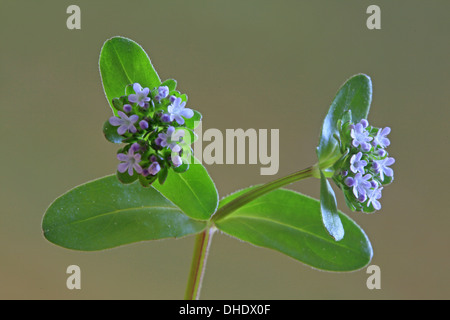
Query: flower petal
[(114, 121), (187, 113), (137, 87), (389, 161), (388, 171), (133, 98), (133, 118), (179, 119), (122, 129), (130, 170), (122, 167), (122, 157), (137, 167)]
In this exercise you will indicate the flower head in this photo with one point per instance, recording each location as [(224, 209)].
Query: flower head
[(141, 95), (124, 122), (155, 137), (129, 162), (177, 110), (363, 176)]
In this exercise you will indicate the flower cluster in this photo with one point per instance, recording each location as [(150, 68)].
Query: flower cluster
[(152, 124), (364, 169)]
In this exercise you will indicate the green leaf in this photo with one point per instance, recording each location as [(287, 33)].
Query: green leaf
[(328, 208), (125, 178), (123, 62), (291, 223), (194, 122), (192, 191), (354, 95), (111, 134), (105, 213)]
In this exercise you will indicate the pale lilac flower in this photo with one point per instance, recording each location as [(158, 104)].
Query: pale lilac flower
[(170, 139), (356, 164), (382, 167), (154, 168), (362, 197), (143, 124), (374, 196), (129, 162), (364, 123), (176, 160), (165, 118), (163, 92), (125, 123), (127, 108), (135, 147), (361, 136), (381, 152), (359, 183), (380, 139), (141, 95), (177, 111)]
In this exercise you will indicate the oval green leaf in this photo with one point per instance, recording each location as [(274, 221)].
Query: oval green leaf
[(105, 213), (354, 95), (328, 208), (123, 62), (193, 191), (111, 134), (291, 223)]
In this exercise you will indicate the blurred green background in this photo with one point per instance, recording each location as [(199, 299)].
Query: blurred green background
[(243, 64)]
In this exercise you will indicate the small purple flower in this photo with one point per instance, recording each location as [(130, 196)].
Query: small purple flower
[(141, 96), (356, 164), (177, 111), (170, 139), (129, 162), (165, 118), (361, 136), (364, 123), (127, 108), (163, 92), (380, 139), (154, 168), (135, 147), (176, 160), (125, 123), (359, 183), (374, 196), (143, 124), (381, 152), (382, 167)]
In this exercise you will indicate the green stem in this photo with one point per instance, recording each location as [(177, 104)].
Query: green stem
[(203, 239), (201, 248), (262, 190)]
